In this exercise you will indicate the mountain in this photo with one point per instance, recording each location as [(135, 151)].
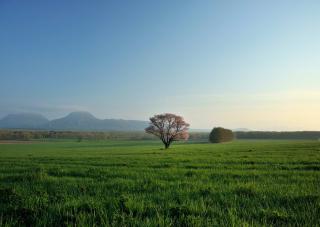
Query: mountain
[(84, 121), (23, 121), (75, 121)]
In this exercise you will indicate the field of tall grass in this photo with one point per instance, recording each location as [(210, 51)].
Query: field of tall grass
[(136, 183)]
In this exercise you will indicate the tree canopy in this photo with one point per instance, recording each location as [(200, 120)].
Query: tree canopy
[(168, 127)]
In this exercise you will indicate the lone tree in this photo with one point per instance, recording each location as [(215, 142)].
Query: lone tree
[(220, 135), (168, 127)]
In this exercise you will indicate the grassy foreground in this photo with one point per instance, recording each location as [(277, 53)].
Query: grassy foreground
[(117, 183)]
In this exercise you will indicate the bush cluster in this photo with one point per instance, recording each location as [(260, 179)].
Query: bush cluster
[(220, 135)]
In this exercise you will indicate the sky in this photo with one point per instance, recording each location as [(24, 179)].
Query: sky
[(236, 64)]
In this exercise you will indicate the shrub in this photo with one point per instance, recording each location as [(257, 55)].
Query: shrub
[(220, 135)]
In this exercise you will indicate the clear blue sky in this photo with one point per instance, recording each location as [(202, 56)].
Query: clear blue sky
[(253, 64)]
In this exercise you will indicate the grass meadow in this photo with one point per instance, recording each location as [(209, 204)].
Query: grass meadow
[(136, 183)]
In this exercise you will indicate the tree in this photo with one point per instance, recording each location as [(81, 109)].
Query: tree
[(220, 135), (168, 127)]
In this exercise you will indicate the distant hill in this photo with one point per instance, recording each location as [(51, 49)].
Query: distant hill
[(23, 121), (75, 121), (241, 130)]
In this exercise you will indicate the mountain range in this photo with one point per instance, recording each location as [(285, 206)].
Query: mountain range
[(75, 121)]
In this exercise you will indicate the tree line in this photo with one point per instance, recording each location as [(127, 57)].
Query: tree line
[(76, 135), (302, 135), (193, 136)]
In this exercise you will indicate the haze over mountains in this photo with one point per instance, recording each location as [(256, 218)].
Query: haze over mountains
[(76, 121)]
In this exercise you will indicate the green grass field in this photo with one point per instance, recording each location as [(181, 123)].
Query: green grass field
[(118, 183)]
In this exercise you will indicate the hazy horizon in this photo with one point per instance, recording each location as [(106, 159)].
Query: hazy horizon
[(236, 64)]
